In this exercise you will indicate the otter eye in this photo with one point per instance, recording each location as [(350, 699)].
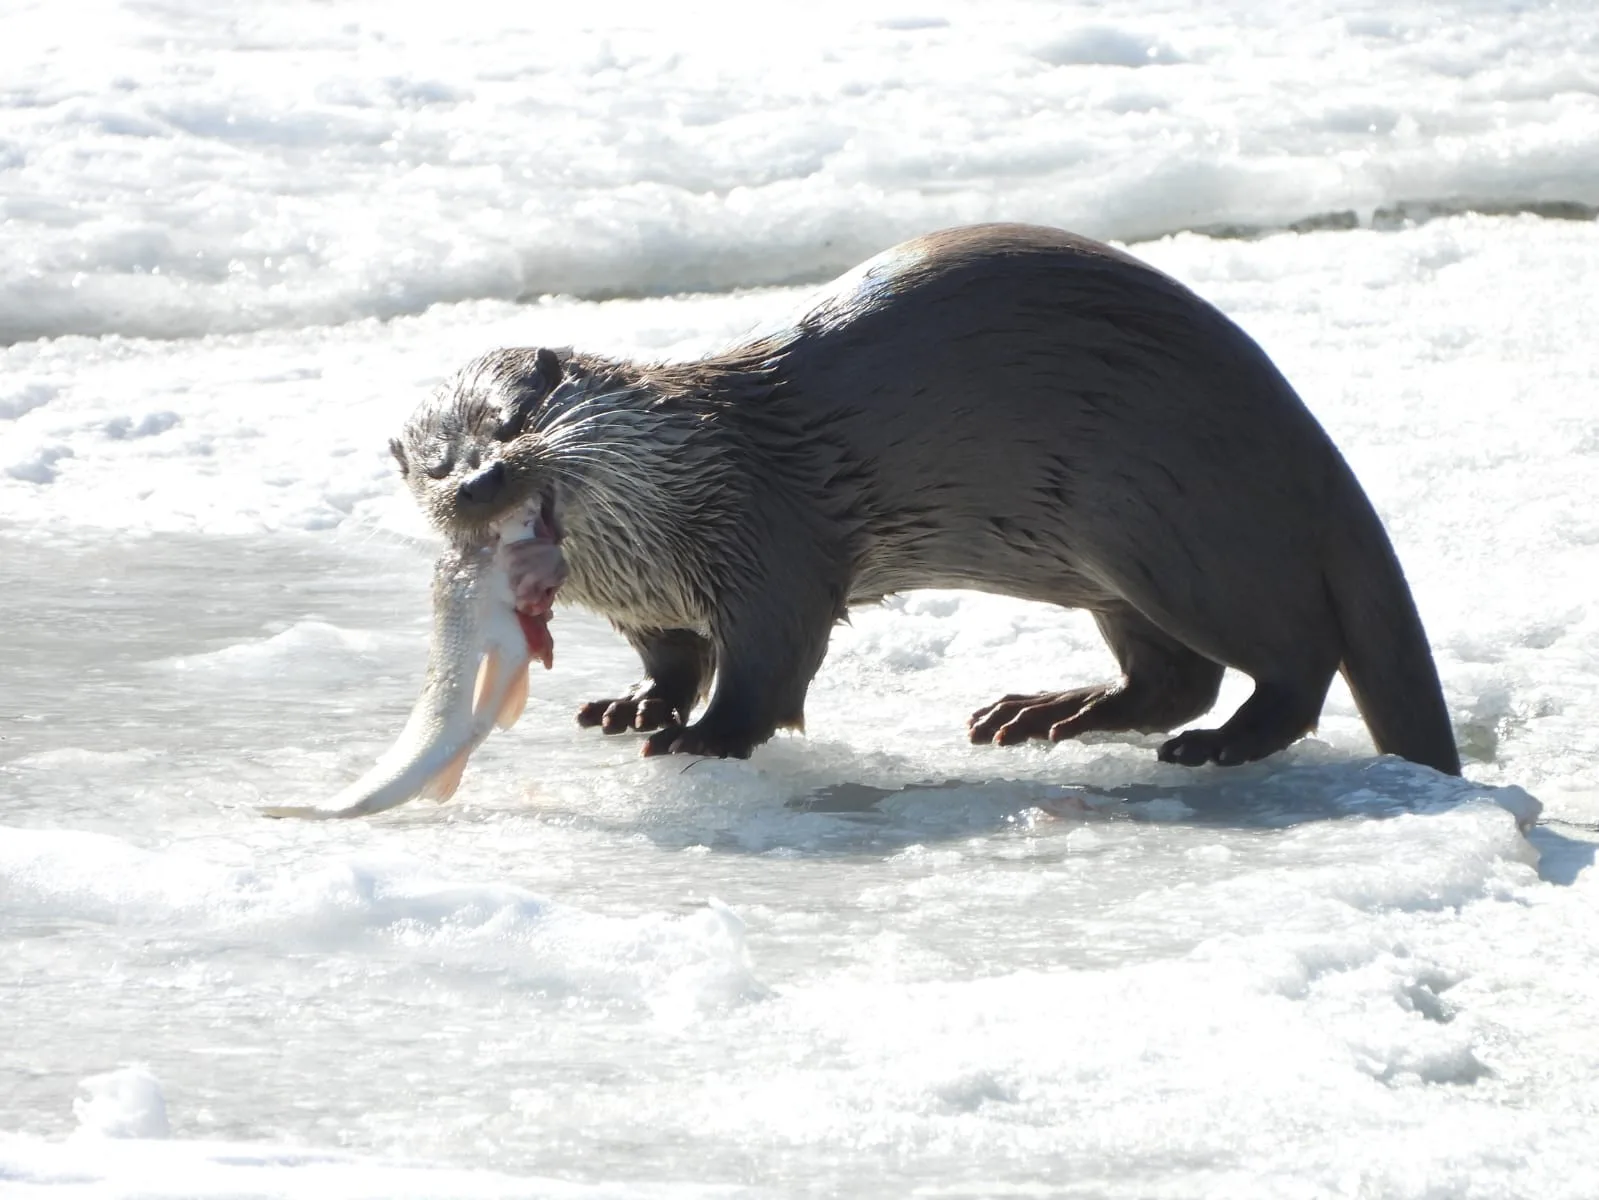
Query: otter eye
[(514, 424), (441, 468), (510, 428)]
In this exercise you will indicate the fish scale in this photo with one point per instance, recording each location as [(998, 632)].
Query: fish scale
[(476, 681)]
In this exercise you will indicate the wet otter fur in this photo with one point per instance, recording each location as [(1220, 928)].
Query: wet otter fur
[(1006, 408)]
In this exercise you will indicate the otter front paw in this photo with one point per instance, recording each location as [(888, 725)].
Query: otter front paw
[(697, 740), (640, 713)]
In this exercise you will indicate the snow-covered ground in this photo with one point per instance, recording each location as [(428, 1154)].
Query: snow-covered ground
[(183, 167), (240, 242)]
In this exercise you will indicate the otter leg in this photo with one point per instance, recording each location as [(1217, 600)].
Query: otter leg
[(677, 667), (764, 666), (1164, 684), (1275, 715), (1286, 640)]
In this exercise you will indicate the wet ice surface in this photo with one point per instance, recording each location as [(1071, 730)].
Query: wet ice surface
[(864, 962), (804, 970), (869, 960)]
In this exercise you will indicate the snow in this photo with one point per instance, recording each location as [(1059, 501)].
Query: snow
[(240, 243), (125, 1103), (180, 169)]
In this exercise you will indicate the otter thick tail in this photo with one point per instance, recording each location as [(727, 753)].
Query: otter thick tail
[(1387, 661)]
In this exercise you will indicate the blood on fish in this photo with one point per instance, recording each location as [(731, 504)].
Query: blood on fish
[(536, 628)]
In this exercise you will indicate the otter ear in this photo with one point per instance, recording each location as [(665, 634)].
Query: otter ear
[(398, 450), (547, 368), (531, 390)]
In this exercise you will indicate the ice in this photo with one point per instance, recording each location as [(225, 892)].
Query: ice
[(125, 1103), (1107, 46), (871, 949), (175, 170), (225, 1169), (238, 245), (949, 998), (302, 643)]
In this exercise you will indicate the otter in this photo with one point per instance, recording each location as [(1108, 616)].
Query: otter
[(1007, 408)]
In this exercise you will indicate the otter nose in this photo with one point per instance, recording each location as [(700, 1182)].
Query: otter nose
[(482, 488)]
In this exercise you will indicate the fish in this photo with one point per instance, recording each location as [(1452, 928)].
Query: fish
[(484, 638)]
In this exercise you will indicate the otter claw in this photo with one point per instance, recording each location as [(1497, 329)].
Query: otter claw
[(675, 739), (640, 714)]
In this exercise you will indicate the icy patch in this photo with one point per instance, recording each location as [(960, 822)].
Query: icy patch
[(220, 1170), (910, 24), (304, 642), (1101, 45), (149, 425), (17, 401), (38, 465), (329, 168), (673, 965), (125, 1103)]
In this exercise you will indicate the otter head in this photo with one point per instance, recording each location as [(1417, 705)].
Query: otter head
[(470, 453)]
